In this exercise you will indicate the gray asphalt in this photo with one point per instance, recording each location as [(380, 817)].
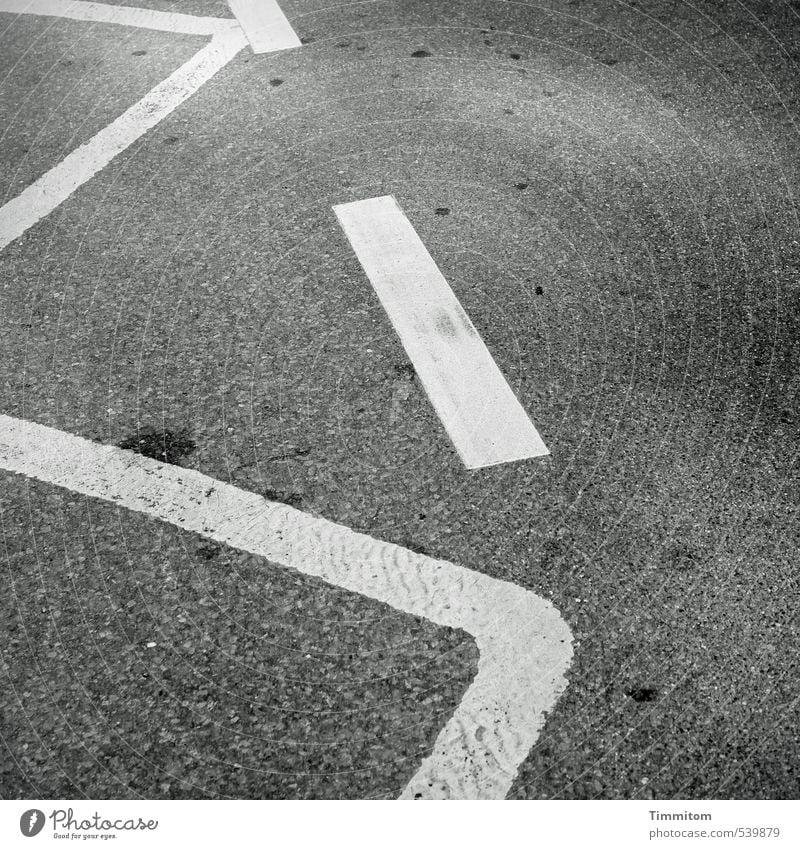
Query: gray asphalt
[(610, 190)]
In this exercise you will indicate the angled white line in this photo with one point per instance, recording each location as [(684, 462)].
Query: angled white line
[(482, 416), (265, 25), (55, 186), (525, 645), (126, 15)]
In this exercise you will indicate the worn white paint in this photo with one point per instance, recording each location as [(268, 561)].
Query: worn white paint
[(525, 645), (54, 187), (484, 419), (126, 15), (265, 25)]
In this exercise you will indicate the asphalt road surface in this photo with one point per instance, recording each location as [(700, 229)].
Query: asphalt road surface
[(610, 190)]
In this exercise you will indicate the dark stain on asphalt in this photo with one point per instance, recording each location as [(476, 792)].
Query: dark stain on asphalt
[(681, 556), (139, 53), (521, 186), (405, 370), (289, 455), (167, 446), (208, 550), (420, 54), (442, 210), (292, 499), (539, 290), (276, 82), (643, 694)]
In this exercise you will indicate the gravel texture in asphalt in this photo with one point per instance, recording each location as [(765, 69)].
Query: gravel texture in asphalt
[(609, 188)]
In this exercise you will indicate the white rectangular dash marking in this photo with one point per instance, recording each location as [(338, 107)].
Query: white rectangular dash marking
[(482, 416), (264, 24)]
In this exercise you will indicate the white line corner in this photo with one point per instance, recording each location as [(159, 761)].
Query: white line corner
[(525, 646)]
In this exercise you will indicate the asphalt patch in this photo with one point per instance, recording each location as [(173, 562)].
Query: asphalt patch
[(209, 550), (166, 446), (643, 694), (405, 369), (283, 496), (289, 455)]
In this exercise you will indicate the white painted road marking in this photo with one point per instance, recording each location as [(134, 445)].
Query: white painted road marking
[(265, 25), (54, 187), (129, 16), (478, 408), (525, 645)]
